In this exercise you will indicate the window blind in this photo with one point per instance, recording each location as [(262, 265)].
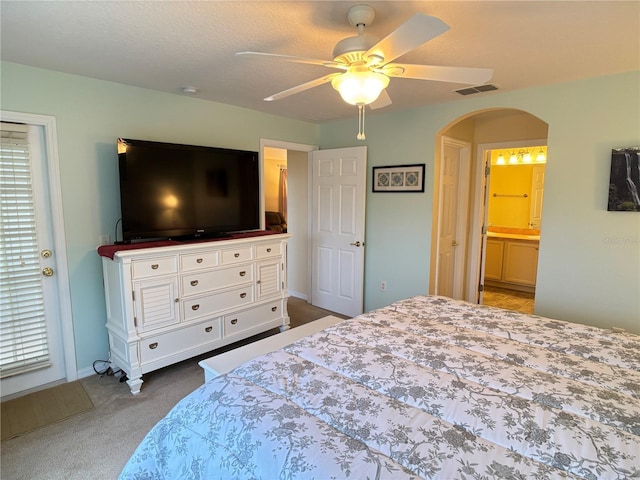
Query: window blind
[(23, 332)]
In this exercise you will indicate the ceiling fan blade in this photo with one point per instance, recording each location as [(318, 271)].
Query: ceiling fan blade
[(302, 87), (420, 28), (294, 59), (468, 75), (382, 101)]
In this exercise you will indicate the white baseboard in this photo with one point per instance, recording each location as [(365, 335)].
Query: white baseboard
[(301, 296), (86, 372)]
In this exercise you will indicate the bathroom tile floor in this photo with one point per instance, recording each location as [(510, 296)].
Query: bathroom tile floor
[(509, 299)]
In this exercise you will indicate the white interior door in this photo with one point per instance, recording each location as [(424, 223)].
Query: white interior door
[(33, 266), (483, 230), (453, 200), (338, 223), (537, 194)]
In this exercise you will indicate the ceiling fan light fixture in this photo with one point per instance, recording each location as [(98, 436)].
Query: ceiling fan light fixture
[(360, 86)]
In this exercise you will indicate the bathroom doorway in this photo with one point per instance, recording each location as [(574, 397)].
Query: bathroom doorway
[(513, 219), (487, 130)]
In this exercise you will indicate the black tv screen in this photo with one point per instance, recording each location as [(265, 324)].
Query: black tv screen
[(184, 191)]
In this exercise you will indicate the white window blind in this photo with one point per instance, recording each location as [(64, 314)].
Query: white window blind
[(23, 333)]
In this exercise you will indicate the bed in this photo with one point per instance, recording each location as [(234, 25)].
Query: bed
[(427, 387)]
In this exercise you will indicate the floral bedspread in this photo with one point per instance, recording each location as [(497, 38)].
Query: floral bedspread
[(427, 387)]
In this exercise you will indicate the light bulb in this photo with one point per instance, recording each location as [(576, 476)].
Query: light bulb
[(359, 85)]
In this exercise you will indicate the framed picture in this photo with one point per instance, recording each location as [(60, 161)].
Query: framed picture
[(399, 178), (624, 181)]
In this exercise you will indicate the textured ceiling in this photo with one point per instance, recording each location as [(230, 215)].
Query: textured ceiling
[(165, 45)]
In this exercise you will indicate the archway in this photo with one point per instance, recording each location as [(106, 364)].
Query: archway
[(481, 131)]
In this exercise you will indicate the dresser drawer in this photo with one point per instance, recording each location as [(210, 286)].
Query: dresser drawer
[(198, 261), (238, 322), (153, 267), (268, 250), (240, 254), (211, 304), (215, 279), (167, 344)]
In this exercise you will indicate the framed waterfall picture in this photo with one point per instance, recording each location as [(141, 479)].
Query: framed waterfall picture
[(398, 178), (624, 181)]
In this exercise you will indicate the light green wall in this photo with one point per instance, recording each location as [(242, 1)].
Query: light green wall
[(589, 266), (90, 115)]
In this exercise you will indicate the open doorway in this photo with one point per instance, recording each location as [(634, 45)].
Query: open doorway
[(487, 130), (513, 219), (293, 208), (276, 189)]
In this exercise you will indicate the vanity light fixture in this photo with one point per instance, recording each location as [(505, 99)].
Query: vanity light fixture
[(526, 158), (513, 159), (500, 160), (541, 156)]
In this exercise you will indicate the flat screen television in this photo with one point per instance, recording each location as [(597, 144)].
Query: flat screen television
[(184, 191)]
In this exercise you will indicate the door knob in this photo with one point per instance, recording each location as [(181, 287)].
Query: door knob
[(47, 272), (454, 243), (46, 253), (356, 244)]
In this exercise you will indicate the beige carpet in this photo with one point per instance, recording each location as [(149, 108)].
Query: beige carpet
[(96, 444), (42, 408)]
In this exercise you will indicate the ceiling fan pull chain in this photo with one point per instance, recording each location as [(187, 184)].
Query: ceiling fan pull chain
[(360, 135)]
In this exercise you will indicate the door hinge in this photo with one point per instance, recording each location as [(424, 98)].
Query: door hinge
[(135, 322), (133, 295), (481, 288), (487, 170), (484, 230)]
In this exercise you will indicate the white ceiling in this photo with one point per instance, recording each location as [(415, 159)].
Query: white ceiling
[(165, 45)]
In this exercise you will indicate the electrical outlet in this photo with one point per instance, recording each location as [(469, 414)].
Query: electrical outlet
[(383, 286)]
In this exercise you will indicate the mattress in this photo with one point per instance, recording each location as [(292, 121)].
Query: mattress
[(427, 387)]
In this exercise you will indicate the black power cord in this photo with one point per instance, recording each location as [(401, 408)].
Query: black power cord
[(103, 367)]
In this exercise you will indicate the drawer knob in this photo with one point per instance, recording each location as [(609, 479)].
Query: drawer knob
[(194, 283), (208, 329), (273, 309), (154, 266), (268, 250), (153, 345), (177, 300), (195, 307), (243, 295), (234, 321), (236, 255), (198, 260), (243, 273)]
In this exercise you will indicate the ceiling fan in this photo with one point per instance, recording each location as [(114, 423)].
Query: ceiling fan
[(366, 63)]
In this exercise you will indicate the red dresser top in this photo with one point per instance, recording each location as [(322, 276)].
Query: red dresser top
[(109, 251)]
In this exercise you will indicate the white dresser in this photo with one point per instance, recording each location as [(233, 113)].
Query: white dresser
[(166, 304)]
